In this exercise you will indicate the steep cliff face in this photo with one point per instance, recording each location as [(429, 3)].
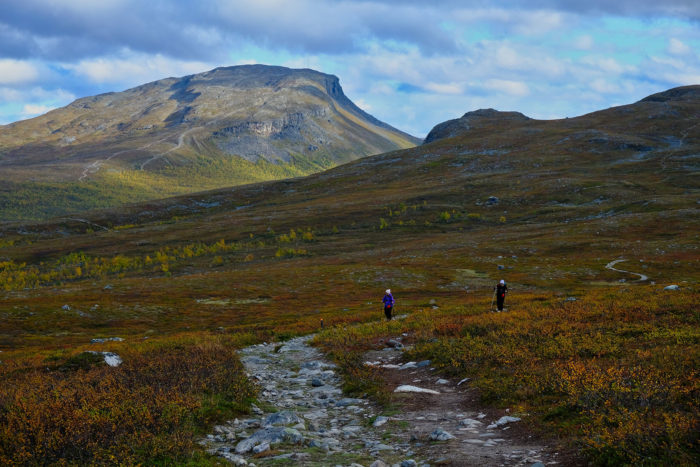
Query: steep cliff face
[(254, 112)]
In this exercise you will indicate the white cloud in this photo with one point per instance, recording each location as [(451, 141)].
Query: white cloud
[(677, 47), (33, 110), (584, 42), (134, 69), (445, 88), (605, 87), (513, 88), (13, 72)]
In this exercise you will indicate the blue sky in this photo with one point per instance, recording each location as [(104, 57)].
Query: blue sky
[(410, 63)]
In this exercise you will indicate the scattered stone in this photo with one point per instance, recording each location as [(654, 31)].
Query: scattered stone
[(506, 419), (408, 366), (271, 436), (285, 417), (465, 380), (379, 463), (423, 363), (470, 422), (380, 420), (409, 463), (317, 383), (347, 401), (262, 447), (442, 381), (672, 287), (492, 201), (571, 299), (65, 307), (394, 344), (500, 267), (110, 358), (440, 435), (409, 388)]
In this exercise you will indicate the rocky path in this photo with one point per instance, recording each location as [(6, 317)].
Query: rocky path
[(304, 419)]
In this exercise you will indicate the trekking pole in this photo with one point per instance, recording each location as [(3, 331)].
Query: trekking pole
[(492, 299)]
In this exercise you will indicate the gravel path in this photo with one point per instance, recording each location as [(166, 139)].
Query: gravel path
[(304, 419)]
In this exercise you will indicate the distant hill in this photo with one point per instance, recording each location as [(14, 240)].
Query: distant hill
[(224, 127)]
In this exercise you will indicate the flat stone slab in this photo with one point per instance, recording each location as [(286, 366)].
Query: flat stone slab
[(409, 388)]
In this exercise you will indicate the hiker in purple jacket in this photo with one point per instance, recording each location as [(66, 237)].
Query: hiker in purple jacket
[(388, 303)]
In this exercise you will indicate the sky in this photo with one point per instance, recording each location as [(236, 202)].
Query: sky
[(410, 63)]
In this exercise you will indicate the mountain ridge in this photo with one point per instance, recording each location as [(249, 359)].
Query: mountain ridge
[(229, 125)]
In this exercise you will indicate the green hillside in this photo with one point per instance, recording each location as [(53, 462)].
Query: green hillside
[(228, 126)]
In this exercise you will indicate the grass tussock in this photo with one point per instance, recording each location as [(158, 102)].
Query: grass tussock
[(78, 410)]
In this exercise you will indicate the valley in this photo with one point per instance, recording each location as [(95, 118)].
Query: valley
[(599, 366)]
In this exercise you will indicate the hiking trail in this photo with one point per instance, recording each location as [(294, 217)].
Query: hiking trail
[(611, 265), (304, 419)]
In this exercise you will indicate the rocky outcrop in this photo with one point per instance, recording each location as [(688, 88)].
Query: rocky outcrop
[(472, 120)]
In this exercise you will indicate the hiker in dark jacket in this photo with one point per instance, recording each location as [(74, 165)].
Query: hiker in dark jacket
[(388, 301), (501, 291)]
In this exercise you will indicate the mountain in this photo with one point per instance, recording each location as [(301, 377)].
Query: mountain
[(223, 127), (559, 209)]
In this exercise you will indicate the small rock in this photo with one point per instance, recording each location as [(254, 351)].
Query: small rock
[(408, 366), (672, 287), (409, 388), (394, 343), (262, 447), (409, 463), (442, 381), (317, 383), (465, 380), (346, 401), (379, 463), (506, 419), (537, 464), (380, 420), (272, 435), (423, 363), (492, 201), (65, 307), (440, 435), (571, 299), (500, 266)]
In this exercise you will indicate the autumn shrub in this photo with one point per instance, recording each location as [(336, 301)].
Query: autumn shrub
[(148, 409), (615, 372)]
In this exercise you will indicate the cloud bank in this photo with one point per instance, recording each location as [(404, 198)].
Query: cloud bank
[(413, 64)]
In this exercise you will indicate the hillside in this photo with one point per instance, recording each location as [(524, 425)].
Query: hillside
[(220, 128), (600, 360)]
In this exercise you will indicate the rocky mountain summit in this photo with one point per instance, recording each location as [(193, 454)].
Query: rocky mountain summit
[(475, 119), (251, 111)]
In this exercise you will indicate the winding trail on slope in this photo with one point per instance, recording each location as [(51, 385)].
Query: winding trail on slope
[(304, 408), (611, 265), (94, 167)]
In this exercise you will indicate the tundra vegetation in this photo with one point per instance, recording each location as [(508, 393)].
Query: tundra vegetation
[(592, 359)]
